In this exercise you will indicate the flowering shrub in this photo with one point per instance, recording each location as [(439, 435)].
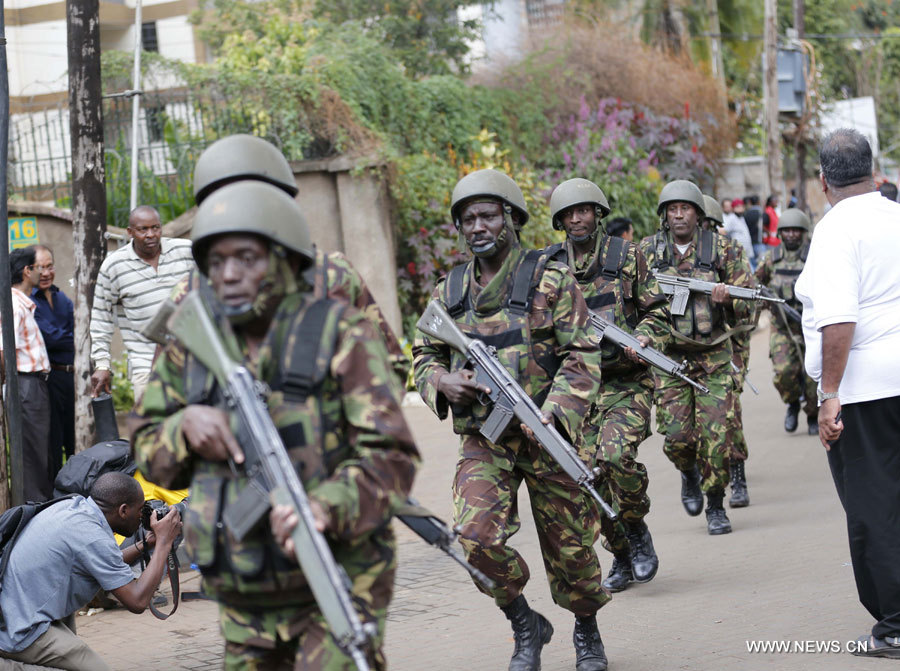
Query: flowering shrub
[(629, 151)]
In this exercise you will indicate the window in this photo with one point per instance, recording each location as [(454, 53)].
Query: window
[(149, 39)]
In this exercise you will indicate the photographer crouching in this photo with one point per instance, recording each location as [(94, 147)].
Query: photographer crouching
[(67, 553)]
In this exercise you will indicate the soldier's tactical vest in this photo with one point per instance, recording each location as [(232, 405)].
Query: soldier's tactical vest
[(786, 268), (701, 318), (525, 340), (305, 406), (608, 290)]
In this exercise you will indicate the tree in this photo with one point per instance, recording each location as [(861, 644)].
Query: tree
[(427, 36)]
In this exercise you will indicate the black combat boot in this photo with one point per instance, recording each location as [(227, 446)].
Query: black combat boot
[(531, 631), (691, 496), (812, 424), (790, 419), (740, 497), (589, 652), (620, 573), (717, 521), (644, 562)]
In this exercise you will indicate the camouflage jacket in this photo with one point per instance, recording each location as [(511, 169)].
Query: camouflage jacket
[(333, 276), (551, 350), (779, 271), (632, 299), (702, 332), (349, 441)]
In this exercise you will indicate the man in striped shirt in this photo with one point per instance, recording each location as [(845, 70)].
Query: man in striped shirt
[(132, 284), (33, 366)]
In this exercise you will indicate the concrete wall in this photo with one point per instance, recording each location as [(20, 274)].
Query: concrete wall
[(347, 206)]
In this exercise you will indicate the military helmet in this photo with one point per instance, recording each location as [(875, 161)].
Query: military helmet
[(488, 183), (793, 218), (684, 191), (254, 207), (712, 209), (574, 192), (239, 157)]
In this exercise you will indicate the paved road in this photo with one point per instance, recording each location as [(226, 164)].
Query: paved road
[(783, 575)]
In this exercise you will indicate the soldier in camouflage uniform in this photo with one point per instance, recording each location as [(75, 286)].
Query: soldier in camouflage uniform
[(618, 286), (693, 423), (740, 344), (530, 309), (242, 157), (345, 433), (779, 271)]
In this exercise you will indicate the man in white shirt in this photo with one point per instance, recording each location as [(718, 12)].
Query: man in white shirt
[(850, 289), (734, 226), (133, 282)]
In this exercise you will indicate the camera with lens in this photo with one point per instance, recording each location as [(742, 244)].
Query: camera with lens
[(160, 509)]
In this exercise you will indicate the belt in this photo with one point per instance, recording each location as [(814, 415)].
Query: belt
[(64, 367), (37, 373)]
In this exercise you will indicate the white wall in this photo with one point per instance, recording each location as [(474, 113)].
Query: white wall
[(37, 57)]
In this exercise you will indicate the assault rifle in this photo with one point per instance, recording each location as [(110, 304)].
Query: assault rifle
[(434, 532), (272, 478), (622, 338), (510, 400), (789, 312), (680, 288)]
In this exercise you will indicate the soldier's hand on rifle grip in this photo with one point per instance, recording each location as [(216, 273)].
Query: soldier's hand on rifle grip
[(206, 431), (460, 387), (546, 418), (632, 354), (283, 520), (720, 295)]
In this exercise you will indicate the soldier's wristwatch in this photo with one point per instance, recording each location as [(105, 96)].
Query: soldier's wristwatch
[(824, 396)]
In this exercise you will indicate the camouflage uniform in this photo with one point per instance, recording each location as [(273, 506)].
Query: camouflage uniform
[(355, 456), (694, 424), (553, 355), (620, 417), (786, 346), (740, 344)]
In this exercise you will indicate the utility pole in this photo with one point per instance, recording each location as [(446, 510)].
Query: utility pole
[(770, 94), (88, 191), (715, 43), (800, 147), (12, 403)]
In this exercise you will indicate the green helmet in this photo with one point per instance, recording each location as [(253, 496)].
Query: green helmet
[(712, 209), (574, 192), (252, 207), (239, 157), (488, 183), (684, 191), (793, 218)]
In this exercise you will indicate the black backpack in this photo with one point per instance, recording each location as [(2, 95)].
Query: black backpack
[(82, 469), (12, 522)]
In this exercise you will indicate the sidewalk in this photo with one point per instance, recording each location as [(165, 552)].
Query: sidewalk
[(783, 575)]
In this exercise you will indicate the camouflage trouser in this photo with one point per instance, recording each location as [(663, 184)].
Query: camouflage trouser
[(287, 638), (485, 502), (297, 637), (734, 435), (694, 423), (619, 423), (791, 379)]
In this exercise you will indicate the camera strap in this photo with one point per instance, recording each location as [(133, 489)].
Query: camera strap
[(171, 570)]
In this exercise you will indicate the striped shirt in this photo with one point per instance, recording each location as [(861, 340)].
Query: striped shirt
[(31, 353), (129, 292)]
